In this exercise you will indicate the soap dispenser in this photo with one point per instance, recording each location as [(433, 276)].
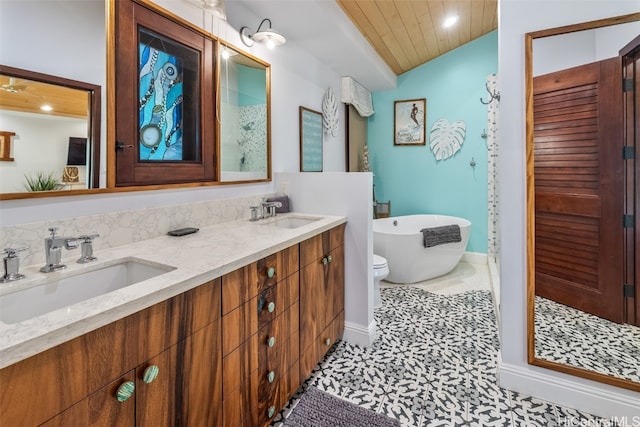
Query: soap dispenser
[(12, 265)]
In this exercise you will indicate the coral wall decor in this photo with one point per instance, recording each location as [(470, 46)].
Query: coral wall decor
[(446, 139), (330, 113)]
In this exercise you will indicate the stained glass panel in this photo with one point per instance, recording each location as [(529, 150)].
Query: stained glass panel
[(168, 87)]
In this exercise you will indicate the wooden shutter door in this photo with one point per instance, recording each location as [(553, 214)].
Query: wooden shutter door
[(579, 187)]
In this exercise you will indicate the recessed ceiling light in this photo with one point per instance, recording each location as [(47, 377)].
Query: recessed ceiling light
[(451, 20), (46, 107)]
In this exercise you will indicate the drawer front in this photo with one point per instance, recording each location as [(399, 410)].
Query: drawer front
[(239, 325), (238, 365), (336, 236), (237, 289), (264, 273), (288, 261), (274, 334), (310, 357), (275, 300), (312, 250)]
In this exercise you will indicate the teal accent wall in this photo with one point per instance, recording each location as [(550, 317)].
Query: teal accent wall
[(252, 81), (410, 176)]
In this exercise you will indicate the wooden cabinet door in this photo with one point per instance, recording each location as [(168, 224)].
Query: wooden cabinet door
[(321, 296), (102, 408), (188, 388), (579, 187)]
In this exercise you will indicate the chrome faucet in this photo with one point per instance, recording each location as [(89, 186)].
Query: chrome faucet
[(53, 250), (267, 209), (12, 265)]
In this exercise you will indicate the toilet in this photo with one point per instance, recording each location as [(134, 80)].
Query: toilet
[(380, 272)]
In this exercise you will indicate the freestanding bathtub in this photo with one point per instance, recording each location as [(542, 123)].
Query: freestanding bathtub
[(399, 240)]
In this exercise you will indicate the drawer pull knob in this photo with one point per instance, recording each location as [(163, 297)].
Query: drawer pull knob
[(271, 341), (325, 261), (327, 341), (271, 376), (272, 411), (150, 374), (125, 391), (271, 307), (329, 258), (271, 272)]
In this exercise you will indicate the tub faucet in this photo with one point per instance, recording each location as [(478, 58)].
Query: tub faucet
[(53, 250)]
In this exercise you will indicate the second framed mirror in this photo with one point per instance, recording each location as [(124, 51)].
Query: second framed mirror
[(244, 119)]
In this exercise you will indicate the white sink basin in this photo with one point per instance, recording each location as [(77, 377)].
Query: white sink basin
[(290, 221), (74, 288)]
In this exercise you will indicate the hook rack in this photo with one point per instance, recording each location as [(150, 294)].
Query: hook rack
[(494, 95)]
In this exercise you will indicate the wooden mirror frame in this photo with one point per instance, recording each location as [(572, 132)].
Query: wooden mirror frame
[(531, 358)]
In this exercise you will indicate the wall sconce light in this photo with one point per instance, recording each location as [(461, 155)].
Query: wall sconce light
[(269, 36)]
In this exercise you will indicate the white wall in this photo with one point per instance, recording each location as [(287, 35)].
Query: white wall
[(350, 195), (40, 145), (296, 79), (518, 17), (582, 47)]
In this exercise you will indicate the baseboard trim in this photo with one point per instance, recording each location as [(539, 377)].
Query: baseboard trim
[(359, 335), (602, 401), (474, 258)]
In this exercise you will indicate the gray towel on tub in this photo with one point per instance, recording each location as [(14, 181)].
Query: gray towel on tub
[(433, 236)]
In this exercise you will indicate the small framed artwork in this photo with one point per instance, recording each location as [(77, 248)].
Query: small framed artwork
[(409, 122), (310, 140)]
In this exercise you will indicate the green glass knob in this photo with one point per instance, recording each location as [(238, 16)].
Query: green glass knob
[(271, 307), (271, 376), (125, 391), (272, 411), (325, 261), (150, 374), (271, 342), (271, 272), (327, 341), (330, 258)]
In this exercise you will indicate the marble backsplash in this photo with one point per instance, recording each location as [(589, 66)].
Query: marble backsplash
[(124, 227)]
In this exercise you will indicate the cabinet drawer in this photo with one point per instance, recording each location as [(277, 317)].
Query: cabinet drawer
[(158, 327), (277, 298), (317, 247), (79, 367), (309, 358), (278, 331), (239, 325), (289, 261), (275, 364), (238, 365)]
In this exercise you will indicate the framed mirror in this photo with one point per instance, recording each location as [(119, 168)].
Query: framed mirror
[(51, 133), (244, 118), (583, 91), (47, 48)]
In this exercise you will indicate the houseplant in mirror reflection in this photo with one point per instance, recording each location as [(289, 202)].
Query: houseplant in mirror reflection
[(42, 181)]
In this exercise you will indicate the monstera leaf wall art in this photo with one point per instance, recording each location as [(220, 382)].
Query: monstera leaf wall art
[(330, 113), (446, 139)]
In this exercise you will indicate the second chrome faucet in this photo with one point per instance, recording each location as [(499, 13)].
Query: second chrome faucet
[(54, 244)]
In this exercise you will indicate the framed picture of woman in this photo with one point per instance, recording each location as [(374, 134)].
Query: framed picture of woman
[(409, 118)]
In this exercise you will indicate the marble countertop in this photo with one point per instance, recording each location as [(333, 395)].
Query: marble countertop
[(196, 259)]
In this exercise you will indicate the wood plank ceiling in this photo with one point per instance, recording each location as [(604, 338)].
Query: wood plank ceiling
[(18, 94), (408, 33)]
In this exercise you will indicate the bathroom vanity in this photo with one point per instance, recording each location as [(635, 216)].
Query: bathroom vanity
[(223, 339)]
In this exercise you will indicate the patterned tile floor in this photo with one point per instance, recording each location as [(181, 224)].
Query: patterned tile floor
[(596, 344), (434, 361)]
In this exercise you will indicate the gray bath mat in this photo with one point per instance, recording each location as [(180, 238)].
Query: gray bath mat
[(319, 409)]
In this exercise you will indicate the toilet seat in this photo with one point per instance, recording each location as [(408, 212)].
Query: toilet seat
[(379, 262)]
